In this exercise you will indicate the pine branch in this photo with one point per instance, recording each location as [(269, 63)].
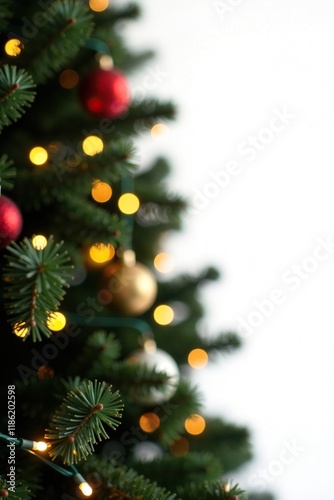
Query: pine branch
[(122, 483), (17, 492), (93, 224), (65, 26), (224, 342), (110, 165), (35, 282), (169, 471), (16, 94), (99, 353), (78, 424), (7, 172), (210, 491), (185, 402), (132, 378)]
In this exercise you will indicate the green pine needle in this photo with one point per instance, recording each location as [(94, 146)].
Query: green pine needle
[(7, 172), (35, 282), (210, 491), (78, 424), (15, 94), (66, 26), (17, 492)]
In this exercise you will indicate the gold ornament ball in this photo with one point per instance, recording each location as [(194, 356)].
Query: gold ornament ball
[(133, 287)]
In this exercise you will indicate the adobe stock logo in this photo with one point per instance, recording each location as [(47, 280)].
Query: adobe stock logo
[(249, 149), (266, 476), (291, 281), (223, 7)]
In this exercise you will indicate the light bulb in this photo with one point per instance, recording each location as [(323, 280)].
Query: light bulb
[(39, 446), (85, 489)]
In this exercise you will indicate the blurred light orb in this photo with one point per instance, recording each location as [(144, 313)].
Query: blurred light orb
[(69, 78), (13, 47), (20, 330), (100, 252), (195, 424), (163, 262), (101, 192), (149, 422), (56, 321), (158, 130), (92, 145), (163, 314), (198, 358), (128, 203), (38, 155), (98, 5), (39, 242)]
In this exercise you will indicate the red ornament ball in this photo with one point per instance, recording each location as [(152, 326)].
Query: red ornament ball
[(105, 93), (11, 221)]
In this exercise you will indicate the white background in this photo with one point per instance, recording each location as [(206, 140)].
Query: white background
[(228, 73)]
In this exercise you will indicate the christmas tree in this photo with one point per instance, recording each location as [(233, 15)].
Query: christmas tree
[(97, 382)]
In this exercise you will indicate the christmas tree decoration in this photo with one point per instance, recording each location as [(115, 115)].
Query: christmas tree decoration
[(81, 280), (152, 357), (105, 93), (132, 285), (11, 221)]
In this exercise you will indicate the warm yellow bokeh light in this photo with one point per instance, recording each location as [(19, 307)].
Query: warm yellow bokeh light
[(105, 61), (101, 192), (98, 5), (56, 321), (198, 358), (39, 446), (92, 145), (195, 424), (163, 314), (101, 253), (163, 262), (69, 78), (20, 330), (85, 489), (39, 242), (128, 203), (179, 447), (14, 47), (149, 422), (158, 130), (38, 155)]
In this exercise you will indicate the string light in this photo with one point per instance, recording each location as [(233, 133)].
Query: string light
[(149, 422), (68, 78), (39, 446), (84, 487), (14, 47), (198, 358), (38, 155), (20, 330), (100, 252), (56, 321), (92, 145), (163, 262), (195, 424), (101, 192), (39, 242), (163, 314), (98, 5), (128, 203)]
